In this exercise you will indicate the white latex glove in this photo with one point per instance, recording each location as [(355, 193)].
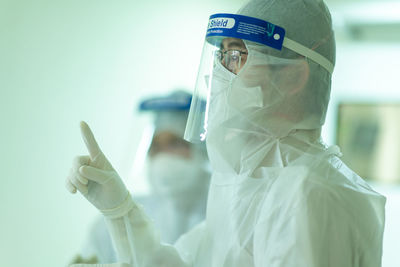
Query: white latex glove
[(94, 176)]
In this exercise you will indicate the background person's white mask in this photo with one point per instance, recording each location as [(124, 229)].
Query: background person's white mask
[(174, 175)]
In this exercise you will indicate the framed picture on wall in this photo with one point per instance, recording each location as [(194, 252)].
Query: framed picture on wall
[(369, 137)]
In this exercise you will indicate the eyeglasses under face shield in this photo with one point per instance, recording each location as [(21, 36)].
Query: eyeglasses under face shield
[(225, 46), (232, 54)]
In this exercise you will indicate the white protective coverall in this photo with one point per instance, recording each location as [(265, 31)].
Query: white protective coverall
[(278, 196)]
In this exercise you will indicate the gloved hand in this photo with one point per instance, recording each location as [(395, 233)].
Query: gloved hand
[(94, 176)]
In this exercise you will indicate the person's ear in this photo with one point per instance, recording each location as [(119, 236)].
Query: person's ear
[(295, 76)]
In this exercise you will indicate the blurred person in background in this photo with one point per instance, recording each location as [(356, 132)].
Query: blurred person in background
[(178, 175)]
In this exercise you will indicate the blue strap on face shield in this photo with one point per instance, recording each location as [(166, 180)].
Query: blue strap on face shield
[(246, 28), (225, 25), (173, 102)]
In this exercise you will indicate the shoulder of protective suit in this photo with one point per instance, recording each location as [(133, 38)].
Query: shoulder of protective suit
[(333, 175), (334, 189)]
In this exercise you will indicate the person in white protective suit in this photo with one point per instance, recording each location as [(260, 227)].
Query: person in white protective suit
[(177, 173), (278, 196)]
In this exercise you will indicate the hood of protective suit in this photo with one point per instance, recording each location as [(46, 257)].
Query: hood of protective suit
[(304, 88)]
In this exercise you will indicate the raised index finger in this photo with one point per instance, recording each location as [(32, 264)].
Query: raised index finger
[(90, 141)]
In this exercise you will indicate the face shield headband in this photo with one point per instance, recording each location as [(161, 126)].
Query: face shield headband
[(218, 50)]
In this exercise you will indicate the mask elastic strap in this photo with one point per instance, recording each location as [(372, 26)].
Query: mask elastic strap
[(307, 52)]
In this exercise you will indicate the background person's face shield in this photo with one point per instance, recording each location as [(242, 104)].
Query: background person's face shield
[(224, 56), (164, 120)]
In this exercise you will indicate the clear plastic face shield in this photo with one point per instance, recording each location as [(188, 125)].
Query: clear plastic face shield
[(225, 52)]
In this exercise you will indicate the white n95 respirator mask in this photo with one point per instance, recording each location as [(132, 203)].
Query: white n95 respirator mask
[(173, 175)]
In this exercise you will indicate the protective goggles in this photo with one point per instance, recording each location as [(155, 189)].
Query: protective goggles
[(224, 46)]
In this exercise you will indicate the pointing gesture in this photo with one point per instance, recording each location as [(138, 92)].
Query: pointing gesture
[(90, 141), (94, 176)]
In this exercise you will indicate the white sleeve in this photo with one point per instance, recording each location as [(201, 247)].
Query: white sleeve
[(98, 243), (189, 243), (136, 241)]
